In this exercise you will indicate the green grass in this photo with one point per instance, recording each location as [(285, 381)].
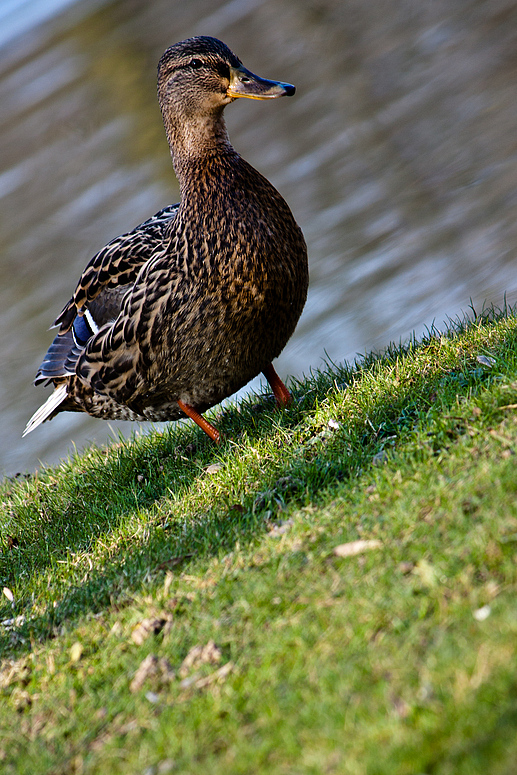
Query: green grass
[(400, 659)]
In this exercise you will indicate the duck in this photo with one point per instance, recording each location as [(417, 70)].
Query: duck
[(174, 316)]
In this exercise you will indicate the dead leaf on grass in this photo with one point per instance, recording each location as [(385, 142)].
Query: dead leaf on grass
[(197, 682), (280, 528), (175, 561), (426, 573), (400, 706), (157, 669), (9, 595), (148, 627), (21, 699), (165, 766), (356, 547), (380, 457), (17, 672), (200, 655), (76, 652)]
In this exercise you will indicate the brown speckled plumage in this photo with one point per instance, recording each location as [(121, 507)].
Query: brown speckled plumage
[(199, 299)]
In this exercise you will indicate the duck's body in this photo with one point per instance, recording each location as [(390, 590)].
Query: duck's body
[(175, 316)]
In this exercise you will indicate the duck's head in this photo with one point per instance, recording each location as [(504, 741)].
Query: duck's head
[(202, 72), (198, 77)]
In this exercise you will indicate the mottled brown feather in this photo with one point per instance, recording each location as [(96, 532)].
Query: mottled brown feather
[(117, 264)]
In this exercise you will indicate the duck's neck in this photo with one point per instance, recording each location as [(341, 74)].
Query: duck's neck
[(196, 141)]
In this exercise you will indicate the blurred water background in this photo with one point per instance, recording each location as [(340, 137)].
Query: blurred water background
[(398, 156)]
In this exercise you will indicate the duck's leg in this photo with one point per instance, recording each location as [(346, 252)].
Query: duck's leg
[(281, 393), (207, 427)]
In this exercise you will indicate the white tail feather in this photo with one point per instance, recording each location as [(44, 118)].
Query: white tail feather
[(46, 409)]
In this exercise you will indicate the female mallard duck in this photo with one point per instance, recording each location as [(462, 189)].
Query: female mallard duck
[(176, 315)]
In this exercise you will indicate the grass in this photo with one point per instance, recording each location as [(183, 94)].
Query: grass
[(170, 606)]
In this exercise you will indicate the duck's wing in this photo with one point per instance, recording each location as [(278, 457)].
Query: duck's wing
[(97, 299), (61, 357), (117, 264)]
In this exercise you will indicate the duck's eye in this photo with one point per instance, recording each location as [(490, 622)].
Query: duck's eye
[(195, 64)]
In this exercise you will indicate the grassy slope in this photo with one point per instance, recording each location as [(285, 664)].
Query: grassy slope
[(400, 659)]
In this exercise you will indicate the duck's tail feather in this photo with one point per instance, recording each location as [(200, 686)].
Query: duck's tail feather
[(47, 409)]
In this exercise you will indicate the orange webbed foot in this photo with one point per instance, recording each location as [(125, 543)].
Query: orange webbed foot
[(198, 418), (281, 393)]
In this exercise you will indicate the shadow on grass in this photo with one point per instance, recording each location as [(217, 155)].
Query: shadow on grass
[(72, 508), (484, 738)]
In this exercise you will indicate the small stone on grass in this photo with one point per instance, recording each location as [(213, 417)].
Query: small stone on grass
[(486, 360), (482, 613)]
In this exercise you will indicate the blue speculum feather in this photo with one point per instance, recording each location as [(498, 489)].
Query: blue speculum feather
[(82, 331)]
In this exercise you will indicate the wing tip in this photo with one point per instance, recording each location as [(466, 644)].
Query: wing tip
[(45, 410)]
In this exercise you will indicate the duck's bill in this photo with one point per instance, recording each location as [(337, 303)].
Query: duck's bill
[(243, 83)]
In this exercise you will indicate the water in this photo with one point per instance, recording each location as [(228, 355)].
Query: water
[(397, 156)]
